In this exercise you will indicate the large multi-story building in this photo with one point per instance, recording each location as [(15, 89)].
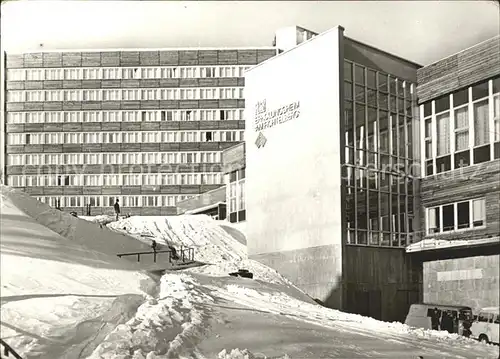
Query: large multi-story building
[(146, 127)]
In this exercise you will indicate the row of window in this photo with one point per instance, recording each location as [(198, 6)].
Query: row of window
[(124, 116), (462, 128), (113, 158), (456, 216), (360, 76), (93, 73), (133, 179), (395, 141), (379, 239), (109, 201), (51, 138), (361, 179), (205, 93)]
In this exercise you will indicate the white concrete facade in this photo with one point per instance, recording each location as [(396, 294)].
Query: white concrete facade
[(294, 161)]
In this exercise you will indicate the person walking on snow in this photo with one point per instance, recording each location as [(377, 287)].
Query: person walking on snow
[(117, 209)]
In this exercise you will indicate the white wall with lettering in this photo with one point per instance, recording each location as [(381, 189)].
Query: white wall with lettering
[(293, 148)]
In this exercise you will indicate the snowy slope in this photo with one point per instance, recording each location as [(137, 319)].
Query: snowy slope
[(216, 243), (58, 296), (61, 298)]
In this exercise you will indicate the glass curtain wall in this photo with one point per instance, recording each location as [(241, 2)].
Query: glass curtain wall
[(378, 157)]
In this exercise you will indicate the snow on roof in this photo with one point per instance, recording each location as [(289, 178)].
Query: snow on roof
[(433, 244)]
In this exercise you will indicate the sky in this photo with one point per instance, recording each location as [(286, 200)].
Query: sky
[(420, 31)]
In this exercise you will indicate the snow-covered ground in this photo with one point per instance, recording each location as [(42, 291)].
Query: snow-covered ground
[(65, 295)]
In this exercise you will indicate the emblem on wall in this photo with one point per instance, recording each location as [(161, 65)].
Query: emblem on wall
[(261, 140)]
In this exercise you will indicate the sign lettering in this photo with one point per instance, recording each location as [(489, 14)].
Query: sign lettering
[(267, 119)]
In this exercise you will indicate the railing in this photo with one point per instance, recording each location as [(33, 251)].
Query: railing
[(7, 350), (184, 254)]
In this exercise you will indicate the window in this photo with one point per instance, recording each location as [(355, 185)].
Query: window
[(478, 211), (35, 96), (149, 94), (91, 74), (129, 95), (463, 215), (148, 72), (462, 129), (496, 118), (448, 218), (443, 134), (34, 75), (481, 123), (71, 74), (468, 214), (16, 75)]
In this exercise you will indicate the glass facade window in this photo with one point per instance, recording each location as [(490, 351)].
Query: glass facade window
[(378, 156), (235, 194)]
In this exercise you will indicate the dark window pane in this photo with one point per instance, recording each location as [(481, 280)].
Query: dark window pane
[(382, 82), (460, 97), (383, 101), (384, 206), (232, 176), (462, 159), (442, 104), (242, 215), (348, 71), (428, 168), (427, 109), (392, 85), (482, 154), (360, 115), (362, 237), (480, 91), (233, 217), (448, 218), (242, 173), (393, 102), (348, 115), (371, 79), (463, 214), (496, 85), (372, 98), (443, 164), (348, 90), (496, 150), (360, 94), (359, 74)]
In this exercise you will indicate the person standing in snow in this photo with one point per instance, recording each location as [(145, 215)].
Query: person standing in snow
[(117, 209)]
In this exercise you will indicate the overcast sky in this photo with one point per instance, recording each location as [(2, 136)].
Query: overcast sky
[(420, 31)]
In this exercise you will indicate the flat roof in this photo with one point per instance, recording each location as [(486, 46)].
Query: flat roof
[(41, 50), (466, 49), (383, 51), (295, 47), (345, 37)]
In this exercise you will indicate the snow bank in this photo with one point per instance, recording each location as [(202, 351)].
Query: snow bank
[(217, 243), (284, 304), (212, 244), (244, 354), (87, 234), (58, 297), (167, 327)]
